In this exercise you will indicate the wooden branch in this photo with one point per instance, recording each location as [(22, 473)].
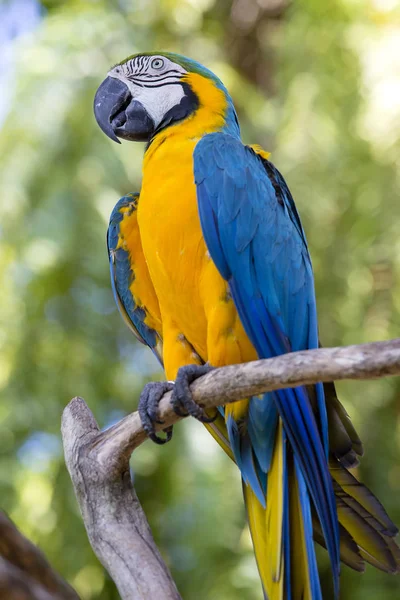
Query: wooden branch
[(115, 522), (98, 462), (25, 573)]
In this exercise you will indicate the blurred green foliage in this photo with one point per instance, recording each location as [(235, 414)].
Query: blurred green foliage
[(316, 83)]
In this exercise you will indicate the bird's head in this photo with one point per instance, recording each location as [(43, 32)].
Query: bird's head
[(146, 93)]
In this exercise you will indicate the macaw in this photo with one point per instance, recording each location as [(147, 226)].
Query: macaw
[(210, 267)]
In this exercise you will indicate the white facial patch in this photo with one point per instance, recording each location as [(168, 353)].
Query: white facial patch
[(157, 101), (154, 81)]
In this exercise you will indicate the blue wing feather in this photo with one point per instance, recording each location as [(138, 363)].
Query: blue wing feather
[(122, 276), (254, 235)]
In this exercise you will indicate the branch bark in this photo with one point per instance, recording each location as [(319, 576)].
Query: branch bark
[(98, 462), (115, 522), (25, 573)]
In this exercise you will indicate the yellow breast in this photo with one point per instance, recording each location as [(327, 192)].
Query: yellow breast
[(172, 239)]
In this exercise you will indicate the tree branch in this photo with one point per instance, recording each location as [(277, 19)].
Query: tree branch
[(232, 383), (25, 573), (98, 462)]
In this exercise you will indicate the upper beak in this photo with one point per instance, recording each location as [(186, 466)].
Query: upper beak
[(118, 114)]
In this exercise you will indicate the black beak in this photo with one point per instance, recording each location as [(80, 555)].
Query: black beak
[(118, 114)]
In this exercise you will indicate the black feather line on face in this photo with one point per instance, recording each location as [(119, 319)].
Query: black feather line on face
[(151, 76), (145, 77), (161, 81)]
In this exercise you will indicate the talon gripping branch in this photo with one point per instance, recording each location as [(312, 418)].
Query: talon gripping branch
[(210, 266)]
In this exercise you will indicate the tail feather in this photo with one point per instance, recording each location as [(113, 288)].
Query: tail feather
[(376, 563), (364, 518), (275, 507), (286, 559), (344, 441), (283, 519), (266, 523), (282, 531), (395, 550), (256, 515), (303, 435), (371, 543), (349, 551), (305, 582), (362, 497), (300, 582)]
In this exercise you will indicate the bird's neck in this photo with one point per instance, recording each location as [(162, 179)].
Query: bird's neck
[(215, 112)]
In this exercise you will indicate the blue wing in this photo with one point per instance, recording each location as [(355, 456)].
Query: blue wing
[(122, 276), (255, 238)]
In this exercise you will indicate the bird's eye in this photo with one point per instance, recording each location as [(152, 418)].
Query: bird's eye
[(157, 63)]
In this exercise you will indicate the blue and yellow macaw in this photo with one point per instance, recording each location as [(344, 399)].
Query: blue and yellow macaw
[(210, 267)]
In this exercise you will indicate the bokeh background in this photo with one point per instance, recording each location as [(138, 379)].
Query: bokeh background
[(316, 83)]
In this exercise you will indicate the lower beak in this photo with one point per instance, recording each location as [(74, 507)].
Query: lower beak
[(118, 114)]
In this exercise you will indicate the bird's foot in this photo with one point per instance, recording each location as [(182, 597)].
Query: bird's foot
[(148, 409), (182, 400)]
